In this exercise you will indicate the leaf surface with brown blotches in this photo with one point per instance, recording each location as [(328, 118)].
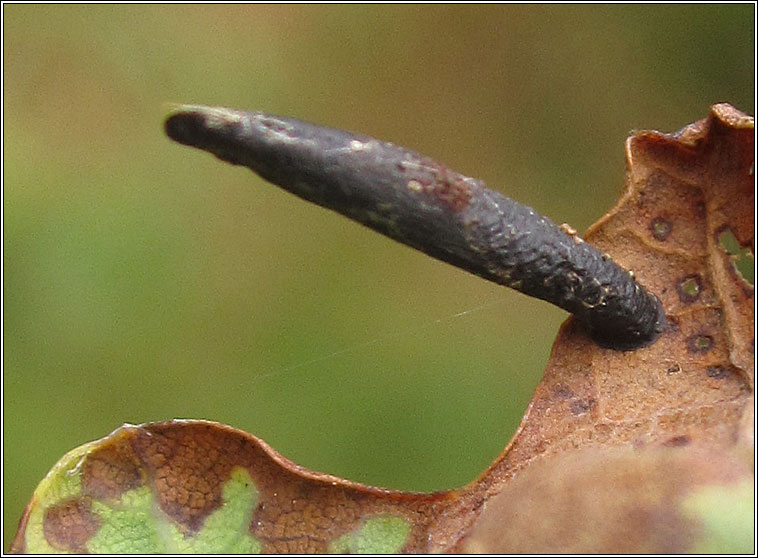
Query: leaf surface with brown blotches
[(197, 486), (629, 441), (693, 387)]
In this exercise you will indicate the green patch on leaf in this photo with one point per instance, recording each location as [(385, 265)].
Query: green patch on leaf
[(135, 524), (224, 531), (379, 535), (129, 526), (727, 514)]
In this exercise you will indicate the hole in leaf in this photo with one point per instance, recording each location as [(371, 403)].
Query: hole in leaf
[(689, 288), (717, 372), (742, 258), (661, 228), (700, 343), (582, 406)]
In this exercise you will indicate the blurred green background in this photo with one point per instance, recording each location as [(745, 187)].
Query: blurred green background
[(145, 281)]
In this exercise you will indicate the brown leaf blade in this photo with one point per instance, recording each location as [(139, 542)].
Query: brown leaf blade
[(693, 387), (614, 501), (710, 164)]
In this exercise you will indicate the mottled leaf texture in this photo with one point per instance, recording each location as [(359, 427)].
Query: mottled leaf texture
[(196, 486), (643, 451)]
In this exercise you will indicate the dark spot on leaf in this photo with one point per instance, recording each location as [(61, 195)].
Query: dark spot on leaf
[(582, 406), (689, 288), (717, 372), (562, 391), (677, 441), (700, 209), (661, 228), (699, 343)]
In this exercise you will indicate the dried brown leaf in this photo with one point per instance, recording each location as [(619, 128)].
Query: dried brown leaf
[(694, 385), (605, 501)]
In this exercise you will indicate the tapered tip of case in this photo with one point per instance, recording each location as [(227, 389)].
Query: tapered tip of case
[(189, 124)]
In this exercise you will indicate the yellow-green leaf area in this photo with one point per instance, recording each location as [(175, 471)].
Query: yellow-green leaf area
[(378, 535), (129, 526), (226, 530), (134, 524), (727, 514), (62, 482)]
